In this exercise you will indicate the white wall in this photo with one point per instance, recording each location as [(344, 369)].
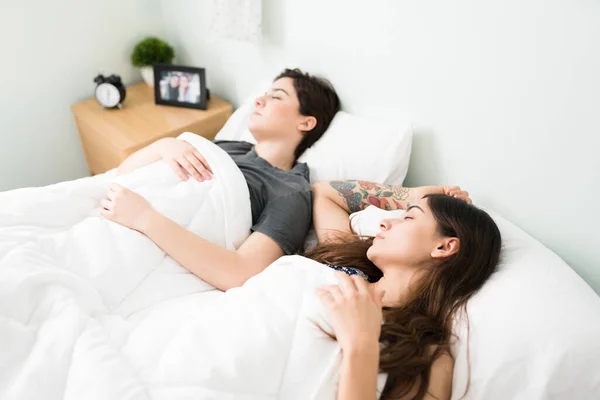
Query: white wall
[(504, 95), (51, 51)]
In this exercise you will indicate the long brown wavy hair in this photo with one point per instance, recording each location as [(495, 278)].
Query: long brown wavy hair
[(415, 333)]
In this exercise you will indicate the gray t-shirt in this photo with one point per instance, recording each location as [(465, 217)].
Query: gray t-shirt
[(281, 200)]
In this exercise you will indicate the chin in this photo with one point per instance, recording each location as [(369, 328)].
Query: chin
[(252, 125), (371, 254)]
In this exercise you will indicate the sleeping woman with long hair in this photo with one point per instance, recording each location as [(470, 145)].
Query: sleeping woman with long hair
[(399, 292)]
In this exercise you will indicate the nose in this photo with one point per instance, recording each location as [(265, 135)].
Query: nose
[(385, 224), (260, 101)]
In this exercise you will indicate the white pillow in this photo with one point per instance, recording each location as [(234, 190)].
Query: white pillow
[(352, 148), (534, 326), (359, 148), (366, 222)]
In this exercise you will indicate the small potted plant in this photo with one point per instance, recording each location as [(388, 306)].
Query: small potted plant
[(148, 51)]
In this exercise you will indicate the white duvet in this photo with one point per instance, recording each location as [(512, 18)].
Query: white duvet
[(93, 310)]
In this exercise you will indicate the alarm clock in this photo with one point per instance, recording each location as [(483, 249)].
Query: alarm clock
[(110, 91)]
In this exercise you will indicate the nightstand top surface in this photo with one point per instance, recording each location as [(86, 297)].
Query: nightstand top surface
[(141, 119)]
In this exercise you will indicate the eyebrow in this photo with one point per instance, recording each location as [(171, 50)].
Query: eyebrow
[(411, 207), (280, 90)]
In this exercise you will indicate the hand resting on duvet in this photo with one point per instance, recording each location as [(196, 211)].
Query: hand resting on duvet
[(293, 114)]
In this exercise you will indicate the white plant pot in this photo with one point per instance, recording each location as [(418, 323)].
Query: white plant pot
[(148, 75)]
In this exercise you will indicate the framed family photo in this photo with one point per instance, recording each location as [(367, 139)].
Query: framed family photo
[(180, 86)]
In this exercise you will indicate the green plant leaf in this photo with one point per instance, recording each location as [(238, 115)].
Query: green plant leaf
[(152, 50)]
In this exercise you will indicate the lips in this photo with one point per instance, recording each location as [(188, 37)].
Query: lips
[(378, 236)]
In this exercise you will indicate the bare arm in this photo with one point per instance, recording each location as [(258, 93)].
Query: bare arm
[(354, 196), (222, 268), (354, 312), (216, 265), (181, 156), (142, 157), (335, 200), (440, 380), (358, 376), (329, 216)]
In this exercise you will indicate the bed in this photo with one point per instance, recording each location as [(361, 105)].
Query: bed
[(90, 309), (533, 330)]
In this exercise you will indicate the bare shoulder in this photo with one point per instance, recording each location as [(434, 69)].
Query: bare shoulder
[(440, 382)]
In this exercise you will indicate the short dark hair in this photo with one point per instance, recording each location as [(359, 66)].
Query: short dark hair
[(318, 99)]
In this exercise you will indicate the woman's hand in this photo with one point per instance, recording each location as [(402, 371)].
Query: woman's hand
[(355, 312), (457, 192), (126, 208), (184, 159), (453, 191)]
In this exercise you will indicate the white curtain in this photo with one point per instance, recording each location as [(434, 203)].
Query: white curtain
[(237, 19)]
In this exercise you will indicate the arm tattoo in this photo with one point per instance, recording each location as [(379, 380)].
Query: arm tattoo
[(360, 194), (346, 189)]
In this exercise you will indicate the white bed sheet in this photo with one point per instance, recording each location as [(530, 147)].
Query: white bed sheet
[(92, 310)]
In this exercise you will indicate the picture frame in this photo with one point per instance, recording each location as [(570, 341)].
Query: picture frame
[(169, 89)]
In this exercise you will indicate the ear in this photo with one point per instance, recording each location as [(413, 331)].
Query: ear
[(307, 124), (446, 247)]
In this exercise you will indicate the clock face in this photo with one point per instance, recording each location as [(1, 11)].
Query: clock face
[(108, 95)]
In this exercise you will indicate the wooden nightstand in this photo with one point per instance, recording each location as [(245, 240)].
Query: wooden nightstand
[(109, 136)]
